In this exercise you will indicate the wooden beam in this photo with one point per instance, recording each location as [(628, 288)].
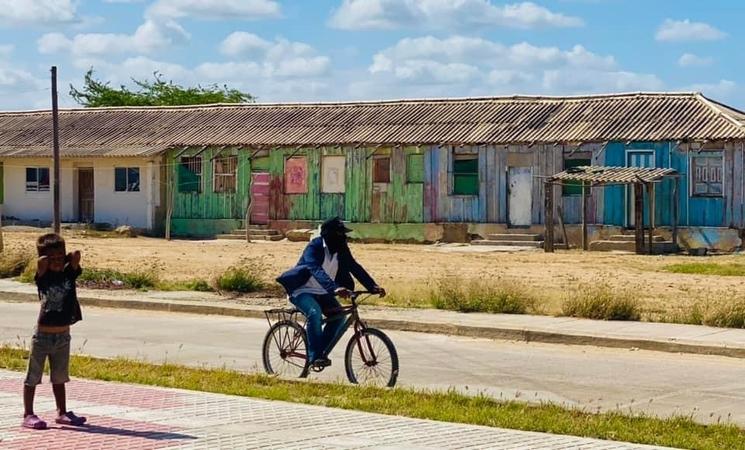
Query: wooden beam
[(560, 216), (548, 242), (650, 207), (676, 212), (169, 201), (585, 244), (639, 217)]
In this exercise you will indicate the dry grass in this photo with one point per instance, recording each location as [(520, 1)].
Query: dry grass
[(473, 295), (601, 302)]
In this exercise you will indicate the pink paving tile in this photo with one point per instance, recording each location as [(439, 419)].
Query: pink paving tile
[(103, 432), (106, 394)]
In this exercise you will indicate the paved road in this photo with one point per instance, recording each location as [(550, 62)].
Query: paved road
[(661, 383), (132, 417)]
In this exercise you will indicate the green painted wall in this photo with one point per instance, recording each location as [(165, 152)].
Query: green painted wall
[(399, 201), (197, 213)]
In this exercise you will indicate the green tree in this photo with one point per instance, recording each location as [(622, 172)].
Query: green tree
[(158, 92)]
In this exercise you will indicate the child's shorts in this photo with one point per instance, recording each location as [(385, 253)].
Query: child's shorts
[(56, 347)]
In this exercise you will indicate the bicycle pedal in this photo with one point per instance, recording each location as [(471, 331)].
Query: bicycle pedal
[(317, 369)]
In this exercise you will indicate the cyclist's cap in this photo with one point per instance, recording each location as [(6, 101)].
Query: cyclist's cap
[(334, 225)]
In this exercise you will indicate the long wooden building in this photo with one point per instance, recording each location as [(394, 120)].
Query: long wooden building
[(419, 170)]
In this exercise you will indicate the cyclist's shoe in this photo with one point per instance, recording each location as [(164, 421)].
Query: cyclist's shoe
[(320, 363)]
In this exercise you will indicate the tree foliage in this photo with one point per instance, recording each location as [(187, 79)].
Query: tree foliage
[(156, 92)]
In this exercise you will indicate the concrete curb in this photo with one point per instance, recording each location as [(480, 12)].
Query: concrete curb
[(498, 333)]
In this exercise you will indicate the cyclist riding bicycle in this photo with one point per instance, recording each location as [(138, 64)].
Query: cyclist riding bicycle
[(323, 272)]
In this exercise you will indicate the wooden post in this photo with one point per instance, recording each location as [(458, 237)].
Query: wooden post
[(2, 242), (169, 200), (560, 216), (248, 204), (585, 244), (548, 244), (639, 217), (676, 212), (650, 207), (55, 150)]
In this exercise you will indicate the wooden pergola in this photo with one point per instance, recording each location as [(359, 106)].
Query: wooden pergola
[(640, 178)]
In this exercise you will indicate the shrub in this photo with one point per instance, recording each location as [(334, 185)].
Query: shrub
[(601, 302), (13, 263), (728, 312), (199, 286), (499, 296), (246, 276), (109, 278)]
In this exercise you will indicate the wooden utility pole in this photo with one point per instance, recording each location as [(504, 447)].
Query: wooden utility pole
[(585, 243), (548, 239), (55, 149), (639, 216)]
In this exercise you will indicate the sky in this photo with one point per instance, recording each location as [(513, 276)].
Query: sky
[(341, 50)]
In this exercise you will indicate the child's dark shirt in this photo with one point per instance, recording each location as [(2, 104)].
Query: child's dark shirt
[(59, 298)]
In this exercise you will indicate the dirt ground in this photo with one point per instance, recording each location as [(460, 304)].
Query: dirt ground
[(406, 270)]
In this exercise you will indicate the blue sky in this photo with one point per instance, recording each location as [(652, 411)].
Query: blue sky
[(326, 50)]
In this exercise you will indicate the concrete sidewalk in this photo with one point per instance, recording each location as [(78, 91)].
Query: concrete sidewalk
[(561, 330), (123, 416)]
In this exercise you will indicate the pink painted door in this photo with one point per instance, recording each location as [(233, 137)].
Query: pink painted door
[(260, 198)]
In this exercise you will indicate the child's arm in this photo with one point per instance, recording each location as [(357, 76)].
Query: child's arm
[(42, 264), (74, 259)]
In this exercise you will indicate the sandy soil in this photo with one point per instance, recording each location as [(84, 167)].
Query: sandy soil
[(404, 269)]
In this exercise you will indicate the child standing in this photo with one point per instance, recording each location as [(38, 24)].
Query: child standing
[(56, 273)]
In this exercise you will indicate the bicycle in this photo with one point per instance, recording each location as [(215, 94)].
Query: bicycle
[(370, 357)]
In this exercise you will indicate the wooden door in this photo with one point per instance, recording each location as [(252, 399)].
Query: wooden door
[(520, 200), (260, 198), (85, 195)]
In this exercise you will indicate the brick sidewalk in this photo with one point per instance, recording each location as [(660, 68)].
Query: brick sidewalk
[(141, 418)]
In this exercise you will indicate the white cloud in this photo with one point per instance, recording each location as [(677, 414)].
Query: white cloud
[(215, 9), (685, 30), (691, 60), (390, 14), (148, 38), (458, 65), (281, 58), (718, 90), (37, 12)]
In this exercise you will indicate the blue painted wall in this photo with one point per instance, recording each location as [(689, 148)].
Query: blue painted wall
[(694, 211)]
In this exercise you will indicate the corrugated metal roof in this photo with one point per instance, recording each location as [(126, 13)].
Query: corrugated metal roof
[(145, 131), (606, 175)]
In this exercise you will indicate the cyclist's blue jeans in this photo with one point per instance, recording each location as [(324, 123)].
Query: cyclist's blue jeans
[(314, 306)]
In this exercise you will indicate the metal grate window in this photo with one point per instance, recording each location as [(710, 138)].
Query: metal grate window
[(225, 168), (190, 174), (37, 179)]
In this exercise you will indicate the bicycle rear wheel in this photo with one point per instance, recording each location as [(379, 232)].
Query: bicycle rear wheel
[(285, 350), (371, 359)]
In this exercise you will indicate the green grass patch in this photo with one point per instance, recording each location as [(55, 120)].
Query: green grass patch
[(680, 432), (109, 278), (246, 276), (601, 302), (700, 268), (494, 296)]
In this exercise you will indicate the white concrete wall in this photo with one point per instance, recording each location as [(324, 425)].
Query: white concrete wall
[(117, 208)]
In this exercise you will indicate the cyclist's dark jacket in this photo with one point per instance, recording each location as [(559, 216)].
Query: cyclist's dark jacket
[(310, 264)]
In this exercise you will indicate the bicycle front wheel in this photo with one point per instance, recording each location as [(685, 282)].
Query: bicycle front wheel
[(371, 359), (285, 350)]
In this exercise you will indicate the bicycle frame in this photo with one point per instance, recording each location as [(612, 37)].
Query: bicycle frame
[(352, 317)]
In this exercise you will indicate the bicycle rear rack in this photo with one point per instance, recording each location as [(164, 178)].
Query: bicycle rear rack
[(284, 315)]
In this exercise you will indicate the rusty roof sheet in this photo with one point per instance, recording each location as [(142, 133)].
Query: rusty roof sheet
[(147, 131), (614, 175)]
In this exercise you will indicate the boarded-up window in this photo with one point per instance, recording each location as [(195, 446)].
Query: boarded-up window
[(707, 174), (225, 168), (37, 179), (465, 175), (382, 170), (296, 175), (574, 188), (190, 174), (415, 168), (127, 179), (333, 173)]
